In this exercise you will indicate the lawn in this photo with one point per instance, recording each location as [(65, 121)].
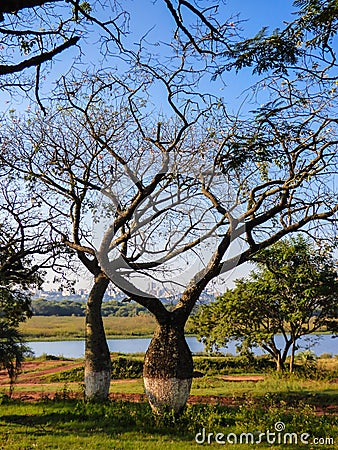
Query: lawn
[(72, 424), (227, 404)]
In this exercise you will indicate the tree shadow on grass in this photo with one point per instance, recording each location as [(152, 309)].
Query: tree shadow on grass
[(84, 418)]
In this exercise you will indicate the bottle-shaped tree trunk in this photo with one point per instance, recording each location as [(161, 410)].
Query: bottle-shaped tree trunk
[(97, 356), (168, 369)]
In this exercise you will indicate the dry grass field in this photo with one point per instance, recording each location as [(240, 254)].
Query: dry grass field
[(63, 328)]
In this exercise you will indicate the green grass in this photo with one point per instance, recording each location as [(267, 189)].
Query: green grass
[(127, 387), (66, 328), (122, 425), (271, 385), (68, 424), (289, 390)]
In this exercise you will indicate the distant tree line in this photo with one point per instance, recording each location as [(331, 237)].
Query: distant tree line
[(42, 307)]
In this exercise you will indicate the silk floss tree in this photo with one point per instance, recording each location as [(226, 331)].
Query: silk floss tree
[(184, 201), (67, 156), (167, 196), (157, 251), (182, 235), (186, 196), (280, 162), (180, 209)]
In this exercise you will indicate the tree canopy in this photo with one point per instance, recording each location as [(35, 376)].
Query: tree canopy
[(293, 292), (34, 33), (15, 307)]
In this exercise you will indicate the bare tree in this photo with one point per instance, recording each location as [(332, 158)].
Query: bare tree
[(189, 187), (27, 246), (170, 200), (54, 27), (34, 32), (251, 182)]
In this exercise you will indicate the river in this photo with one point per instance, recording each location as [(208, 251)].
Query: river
[(75, 349)]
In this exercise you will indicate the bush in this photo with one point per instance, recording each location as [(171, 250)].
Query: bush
[(123, 367), (131, 367), (223, 365)]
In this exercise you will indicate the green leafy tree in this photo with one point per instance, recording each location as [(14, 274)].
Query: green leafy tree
[(14, 308), (293, 293), (21, 236), (12, 351)]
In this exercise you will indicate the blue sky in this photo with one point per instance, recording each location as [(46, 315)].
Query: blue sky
[(153, 17), (257, 13)]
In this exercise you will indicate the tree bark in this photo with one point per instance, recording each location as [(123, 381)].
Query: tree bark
[(97, 356), (168, 369), (292, 356), (279, 363), (13, 6)]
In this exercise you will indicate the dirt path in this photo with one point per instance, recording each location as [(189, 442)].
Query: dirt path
[(239, 378), (33, 374)]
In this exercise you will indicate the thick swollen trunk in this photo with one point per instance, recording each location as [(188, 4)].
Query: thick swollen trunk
[(168, 369), (97, 357)]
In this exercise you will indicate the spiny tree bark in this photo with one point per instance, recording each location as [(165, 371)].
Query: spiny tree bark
[(168, 368), (97, 356)]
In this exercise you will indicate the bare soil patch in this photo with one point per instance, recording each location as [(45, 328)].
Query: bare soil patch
[(239, 378), (33, 374), (35, 371)]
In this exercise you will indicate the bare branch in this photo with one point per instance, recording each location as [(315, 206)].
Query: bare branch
[(39, 59)]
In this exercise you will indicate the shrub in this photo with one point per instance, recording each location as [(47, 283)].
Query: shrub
[(223, 365), (123, 367)]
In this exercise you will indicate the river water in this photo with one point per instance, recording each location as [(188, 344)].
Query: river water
[(75, 349)]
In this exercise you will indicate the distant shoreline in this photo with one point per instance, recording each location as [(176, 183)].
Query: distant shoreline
[(72, 328)]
